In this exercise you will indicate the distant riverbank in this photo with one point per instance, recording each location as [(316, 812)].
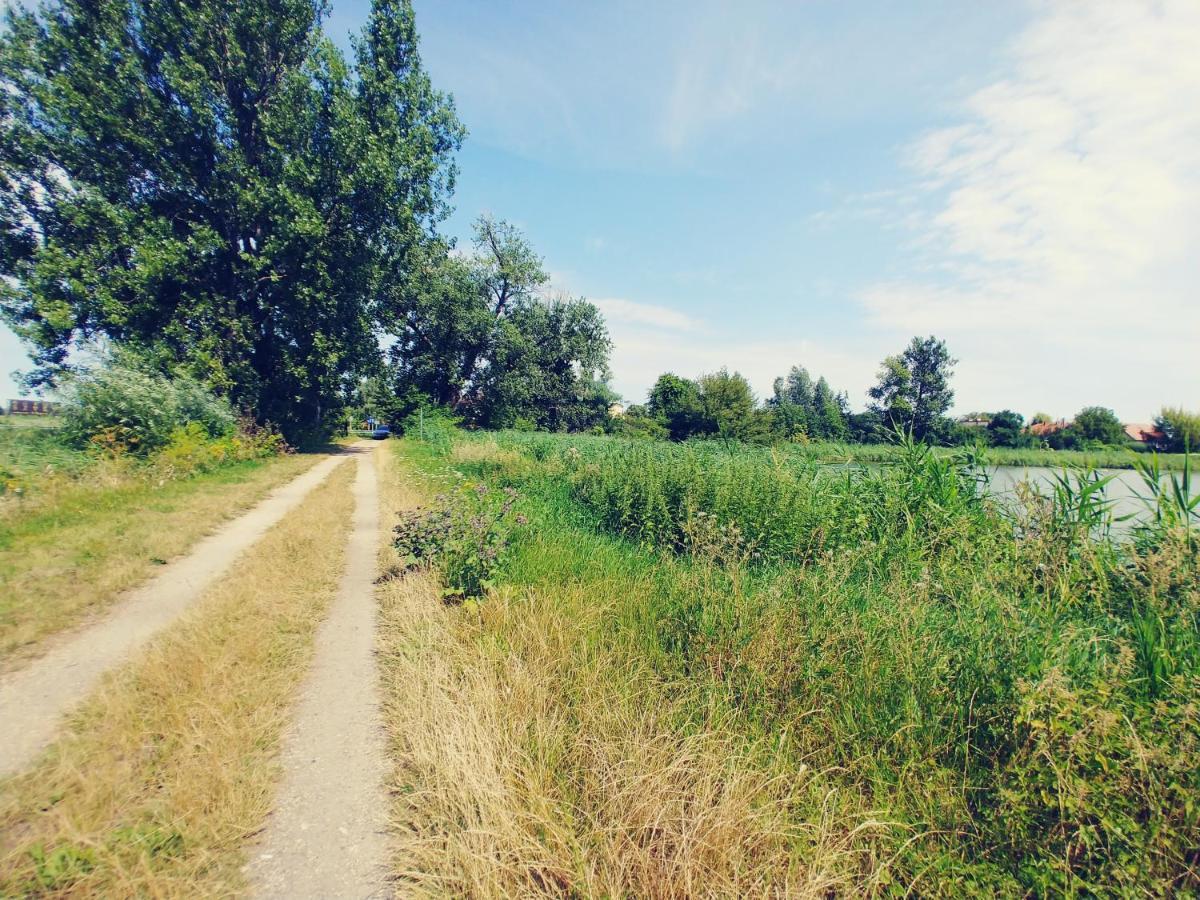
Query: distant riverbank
[(1110, 458)]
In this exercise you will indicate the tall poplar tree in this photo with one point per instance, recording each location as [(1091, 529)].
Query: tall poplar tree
[(211, 183)]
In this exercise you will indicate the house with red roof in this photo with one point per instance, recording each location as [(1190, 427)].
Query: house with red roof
[(1146, 435)]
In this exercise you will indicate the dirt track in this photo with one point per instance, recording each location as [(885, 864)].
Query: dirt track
[(33, 699), (327, 836)]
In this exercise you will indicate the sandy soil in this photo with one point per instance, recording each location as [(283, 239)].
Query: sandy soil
[(34, 698), (327, 836)]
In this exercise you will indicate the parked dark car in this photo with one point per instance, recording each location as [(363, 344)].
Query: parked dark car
[(381, 433)]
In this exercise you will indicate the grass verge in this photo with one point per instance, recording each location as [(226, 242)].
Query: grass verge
[(744, 678), (541, 751), (72, 557), (166, 771)]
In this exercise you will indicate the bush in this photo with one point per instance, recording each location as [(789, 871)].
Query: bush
[(433, 425), (1181, 428), (124, 407), (190, 450), (465, 535)]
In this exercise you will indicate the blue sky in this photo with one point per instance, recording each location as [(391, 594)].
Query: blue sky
[(758, 185)]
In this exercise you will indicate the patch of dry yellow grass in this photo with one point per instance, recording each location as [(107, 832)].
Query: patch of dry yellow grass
[(170, 767), (81, 548), (494, 458), (533, 761)]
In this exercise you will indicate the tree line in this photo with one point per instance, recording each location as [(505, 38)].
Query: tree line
[(912, 395), (216, 188)]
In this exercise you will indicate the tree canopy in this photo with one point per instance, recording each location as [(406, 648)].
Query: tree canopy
[(1180, 428), (214, 184), (913, 391), (1006, 429), (476, 333)]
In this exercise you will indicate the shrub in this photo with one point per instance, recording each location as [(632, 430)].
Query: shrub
[(1182, 429), (190, 449), (124, 407), (465, 536), (433, 425)]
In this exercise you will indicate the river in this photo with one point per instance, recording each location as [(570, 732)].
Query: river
[(1124, 490)]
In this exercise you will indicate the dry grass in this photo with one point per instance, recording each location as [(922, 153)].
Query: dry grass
[(532, 759), (486, 450), (72, 556), (170, 767)]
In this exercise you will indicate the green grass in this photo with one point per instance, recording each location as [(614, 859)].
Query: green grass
[(26, 452), (77, 529), (935, 693), (11, 421)]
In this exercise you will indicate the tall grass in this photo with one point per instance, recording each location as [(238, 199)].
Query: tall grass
[(985, 700), (1025, 457)]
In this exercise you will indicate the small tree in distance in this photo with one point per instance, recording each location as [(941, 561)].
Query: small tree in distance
[(1006, 429), (675, 403), (913, 392)]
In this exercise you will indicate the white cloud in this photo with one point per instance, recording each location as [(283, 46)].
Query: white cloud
[(649, 340), (725, 69), (1067, 216), (630, 311)]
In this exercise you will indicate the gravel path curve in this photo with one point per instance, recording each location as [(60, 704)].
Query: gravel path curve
[(327, 836), (34, 698)]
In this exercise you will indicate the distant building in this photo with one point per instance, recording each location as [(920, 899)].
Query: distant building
[(1146, 435), (32, 408), (975, 421), (1045, 429), (616, 410)]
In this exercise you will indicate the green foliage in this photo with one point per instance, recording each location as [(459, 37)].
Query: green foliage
[(636, 422), (124, 404), (913, 392), (1093, 428), (867, 427), (212, 183), (435, 426), (1006, 429), (717, 405), (466, 535), (1016, 687), (39, 462), (1097, 426), (475, 334), (675, 403), (728, 407), (1181, 428), (803, 410), (62, 866), (784, 507), (192, 450), (548, 364), (1173, 498)]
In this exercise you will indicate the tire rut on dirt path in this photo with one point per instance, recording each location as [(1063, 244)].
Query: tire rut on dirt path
[(328, 834), (34, 698)]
